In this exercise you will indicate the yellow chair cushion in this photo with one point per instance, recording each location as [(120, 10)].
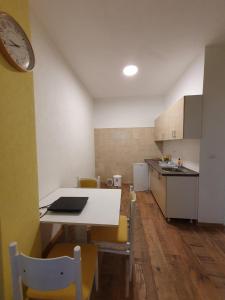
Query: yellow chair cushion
[(88, 183), (112, 235), (88, 265)]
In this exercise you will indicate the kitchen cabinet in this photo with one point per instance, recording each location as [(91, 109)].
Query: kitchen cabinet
[(175, 116), (158, 188), (182, 120), (176, 196), (161, 127), (157, 129)]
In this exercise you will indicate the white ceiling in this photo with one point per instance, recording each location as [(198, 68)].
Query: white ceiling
[(162, 37)]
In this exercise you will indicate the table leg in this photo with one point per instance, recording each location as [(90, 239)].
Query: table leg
[(80, 234), (66, 233)]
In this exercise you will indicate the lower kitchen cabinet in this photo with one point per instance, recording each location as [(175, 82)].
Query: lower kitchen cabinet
[(158, 188), (177, 196)]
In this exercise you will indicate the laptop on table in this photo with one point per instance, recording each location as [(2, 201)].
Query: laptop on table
[(68, 204)]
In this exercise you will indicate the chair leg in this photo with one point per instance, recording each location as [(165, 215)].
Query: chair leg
[(127, 277), (96, 275), (130, 266)]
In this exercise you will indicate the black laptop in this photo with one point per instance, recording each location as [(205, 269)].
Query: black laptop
[(68, 204)]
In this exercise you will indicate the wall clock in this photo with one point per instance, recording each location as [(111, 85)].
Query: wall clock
[(15, 45)]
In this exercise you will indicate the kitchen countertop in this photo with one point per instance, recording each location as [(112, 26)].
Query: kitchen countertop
[(154, 163)]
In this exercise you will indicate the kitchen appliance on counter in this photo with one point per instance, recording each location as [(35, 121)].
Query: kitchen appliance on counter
[(117, 181), (141, 177)]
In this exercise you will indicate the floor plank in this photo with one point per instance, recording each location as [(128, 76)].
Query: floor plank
[(174, 261)]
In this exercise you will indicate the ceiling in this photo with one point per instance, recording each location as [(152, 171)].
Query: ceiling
[(99, 37)]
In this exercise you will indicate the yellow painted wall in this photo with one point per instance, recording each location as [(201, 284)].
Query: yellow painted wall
[(19, 214)]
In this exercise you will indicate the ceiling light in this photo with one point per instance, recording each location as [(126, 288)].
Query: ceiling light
[(130, 70)]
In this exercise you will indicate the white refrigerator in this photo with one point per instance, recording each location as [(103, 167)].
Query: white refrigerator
[(141, 178)]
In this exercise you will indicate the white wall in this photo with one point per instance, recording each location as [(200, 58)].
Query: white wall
[(212, 156), (127, 112), (190, 83), (64, 118), (187, 150), (142, 111)]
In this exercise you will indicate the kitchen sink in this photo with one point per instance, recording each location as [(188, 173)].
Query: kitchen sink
[(171, 169)]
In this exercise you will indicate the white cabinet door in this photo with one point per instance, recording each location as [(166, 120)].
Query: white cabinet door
[(182, 197), (141, 177)]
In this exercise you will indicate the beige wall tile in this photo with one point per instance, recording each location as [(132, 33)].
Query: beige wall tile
[(116, 149)]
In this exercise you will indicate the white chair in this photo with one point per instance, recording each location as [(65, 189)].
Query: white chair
[(88, 182), (55, 277), (118, 240)]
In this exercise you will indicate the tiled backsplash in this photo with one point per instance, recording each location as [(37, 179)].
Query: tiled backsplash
[(187, 150), (116, 149)]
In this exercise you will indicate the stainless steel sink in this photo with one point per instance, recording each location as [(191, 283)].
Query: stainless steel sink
[(170, 169)]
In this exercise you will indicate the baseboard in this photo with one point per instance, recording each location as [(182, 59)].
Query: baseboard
[(218, 225)]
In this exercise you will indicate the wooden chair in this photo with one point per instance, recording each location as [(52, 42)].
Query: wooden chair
[(118, 240), (88, 182), (67, 273)]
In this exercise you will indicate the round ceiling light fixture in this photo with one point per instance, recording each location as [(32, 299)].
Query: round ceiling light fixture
[(130, 70)]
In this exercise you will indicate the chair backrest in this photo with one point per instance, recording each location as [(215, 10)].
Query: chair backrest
[(44, 274), (132, 214), (88, 182)]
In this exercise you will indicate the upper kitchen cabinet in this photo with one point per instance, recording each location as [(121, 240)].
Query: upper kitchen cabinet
[(182, 120), (162, 127)]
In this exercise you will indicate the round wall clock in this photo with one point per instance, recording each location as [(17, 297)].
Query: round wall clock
[(15, 45)]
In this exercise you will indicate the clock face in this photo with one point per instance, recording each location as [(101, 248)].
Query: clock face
[(15, 44)]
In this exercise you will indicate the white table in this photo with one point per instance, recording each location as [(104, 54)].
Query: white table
[(102, 208)]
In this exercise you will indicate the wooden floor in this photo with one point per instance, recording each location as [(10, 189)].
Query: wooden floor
[(171, 261)]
